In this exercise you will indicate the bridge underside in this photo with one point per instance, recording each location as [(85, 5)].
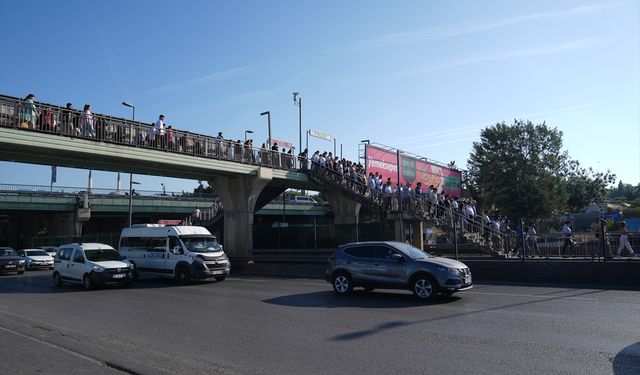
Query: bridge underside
[(52, 149)]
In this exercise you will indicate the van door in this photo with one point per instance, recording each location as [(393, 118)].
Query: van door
[(76, 265), (155, 256), (63, 259), (175, 253)]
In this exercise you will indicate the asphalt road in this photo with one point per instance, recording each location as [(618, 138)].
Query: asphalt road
[(260, 325)]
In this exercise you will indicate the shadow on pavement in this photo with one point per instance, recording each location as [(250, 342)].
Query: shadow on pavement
[(42, 282), (358, 298), (627, 361)]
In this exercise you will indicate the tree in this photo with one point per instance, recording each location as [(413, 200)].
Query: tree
[(625, 192), (518, 169), (585, 186)]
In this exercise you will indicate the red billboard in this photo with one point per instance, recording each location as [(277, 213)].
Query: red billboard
[(412, 170)]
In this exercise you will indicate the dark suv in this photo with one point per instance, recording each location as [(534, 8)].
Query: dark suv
[(395, 265)]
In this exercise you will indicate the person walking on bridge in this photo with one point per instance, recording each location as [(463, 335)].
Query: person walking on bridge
[(86, 122), (568, 239), (624, 241)]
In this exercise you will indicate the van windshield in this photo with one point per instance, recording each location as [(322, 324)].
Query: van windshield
[(101, 255), (201, 244)]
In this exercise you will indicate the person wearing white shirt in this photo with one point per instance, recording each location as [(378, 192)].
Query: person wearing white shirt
[(568, 238), (159, 131)]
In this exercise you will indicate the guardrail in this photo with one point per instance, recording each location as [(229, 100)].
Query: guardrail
[(47, 118), (46, 189)]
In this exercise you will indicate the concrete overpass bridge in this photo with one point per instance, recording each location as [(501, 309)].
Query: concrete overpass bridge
[(245, 178), (26, 206)]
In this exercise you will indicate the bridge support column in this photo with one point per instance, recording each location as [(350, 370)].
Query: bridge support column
[(239, 195), (345, 210)]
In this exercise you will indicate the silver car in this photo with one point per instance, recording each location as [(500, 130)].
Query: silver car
[(395, 265)]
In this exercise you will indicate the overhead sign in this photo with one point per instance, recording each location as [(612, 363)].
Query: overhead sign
[(321, 135), (281, 143), (412, 171)]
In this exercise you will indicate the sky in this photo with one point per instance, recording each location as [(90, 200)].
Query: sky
[(422, 76)]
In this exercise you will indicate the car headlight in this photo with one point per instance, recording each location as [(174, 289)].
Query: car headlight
[(21, 261), (99, 269)]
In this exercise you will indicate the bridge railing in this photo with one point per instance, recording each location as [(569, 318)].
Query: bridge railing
[(47, 118), (113, 193)]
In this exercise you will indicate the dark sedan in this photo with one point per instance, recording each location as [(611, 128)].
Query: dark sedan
[(11, 262)]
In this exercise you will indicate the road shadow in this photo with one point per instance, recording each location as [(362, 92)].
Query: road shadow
[(478, 282), (396, 324), (627, 361), (39, 282), (358, 298)]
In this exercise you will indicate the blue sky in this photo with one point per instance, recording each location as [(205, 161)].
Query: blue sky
[(423, 76)]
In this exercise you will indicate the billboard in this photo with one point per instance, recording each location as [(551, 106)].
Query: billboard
[(412, 170)]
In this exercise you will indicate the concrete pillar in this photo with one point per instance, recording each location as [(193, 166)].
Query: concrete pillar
[(409, 230), (345, 210), (239, 195)]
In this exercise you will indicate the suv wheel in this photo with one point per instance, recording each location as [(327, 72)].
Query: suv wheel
[(342, 284), (424, 287), (182, 275), (57, 280), (86, 282)]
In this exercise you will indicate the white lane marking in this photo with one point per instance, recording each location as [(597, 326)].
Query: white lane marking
[(533, 296), (69, 351)]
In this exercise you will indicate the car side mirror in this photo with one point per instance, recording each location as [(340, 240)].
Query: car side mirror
[(397, 257)]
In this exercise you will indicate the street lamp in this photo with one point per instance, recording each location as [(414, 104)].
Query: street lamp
[(268, 113), (131, 182), (133, 107), (133, 118), (297, 101), (245, 134)]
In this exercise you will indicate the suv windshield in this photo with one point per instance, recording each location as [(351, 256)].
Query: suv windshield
[(7, 253), (412, 252), (201, 244), (101, 255)]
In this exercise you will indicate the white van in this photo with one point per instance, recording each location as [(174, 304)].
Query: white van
[(302, 199), (181, 252)]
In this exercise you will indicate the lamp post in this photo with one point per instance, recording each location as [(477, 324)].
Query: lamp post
[(268, 113), (245, 134), (297, 101), (131, 182), (133, 107)]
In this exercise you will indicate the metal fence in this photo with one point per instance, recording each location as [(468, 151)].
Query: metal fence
[(47, 118), (71, 190), (579, 245)]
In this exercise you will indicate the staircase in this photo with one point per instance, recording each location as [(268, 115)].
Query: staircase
[(484, 238)]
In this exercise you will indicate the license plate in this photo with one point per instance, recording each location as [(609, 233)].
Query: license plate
[(120, 276), (10, 266), (217, 272), (467, 279)]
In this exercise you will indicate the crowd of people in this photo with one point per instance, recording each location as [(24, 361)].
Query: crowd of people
[(427, 202), (158, 135)]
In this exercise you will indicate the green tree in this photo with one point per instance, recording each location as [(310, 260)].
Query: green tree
[(585, 186), (519, 169), (625, 192)]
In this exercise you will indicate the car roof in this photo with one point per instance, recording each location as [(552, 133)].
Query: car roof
[(363, 243), (88, 245)]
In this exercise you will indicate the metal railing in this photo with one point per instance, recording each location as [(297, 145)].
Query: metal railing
[(98, 192), (579, 245), (47, 118), (416, 205)]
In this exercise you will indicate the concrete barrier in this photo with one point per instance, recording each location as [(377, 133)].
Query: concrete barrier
[(615, 273)]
